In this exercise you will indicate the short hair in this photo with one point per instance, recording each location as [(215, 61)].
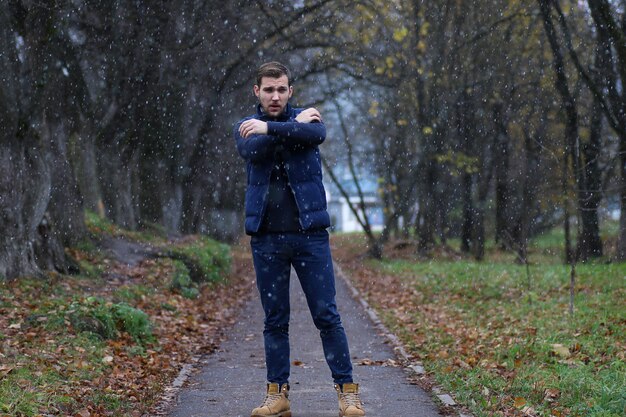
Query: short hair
[(273, 70)]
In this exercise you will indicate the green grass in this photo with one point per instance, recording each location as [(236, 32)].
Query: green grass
[(43, 366), (132, 293), (66, 342), (182, 283), (517, 326), (111, 401), (206, 259), (31, 387), (108, 320), (149, 232), (22, 392)]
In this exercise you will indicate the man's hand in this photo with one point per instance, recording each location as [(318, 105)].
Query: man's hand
[(252, 127), (309, 115)]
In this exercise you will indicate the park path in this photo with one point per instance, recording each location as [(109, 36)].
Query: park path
[(230, 382)]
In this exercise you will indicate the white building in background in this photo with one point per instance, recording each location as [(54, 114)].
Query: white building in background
[(341, 217)]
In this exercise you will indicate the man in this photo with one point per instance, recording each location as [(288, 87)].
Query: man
[(287, 219)]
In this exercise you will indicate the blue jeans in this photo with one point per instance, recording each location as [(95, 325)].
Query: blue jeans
[(309, 253)]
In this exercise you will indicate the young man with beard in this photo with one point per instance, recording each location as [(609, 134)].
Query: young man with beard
[(287, 219)]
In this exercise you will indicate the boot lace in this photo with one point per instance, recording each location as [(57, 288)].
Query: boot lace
[(271, 399), (351, 399)]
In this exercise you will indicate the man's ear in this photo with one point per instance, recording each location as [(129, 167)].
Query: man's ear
[(256, 91), (290, 91)]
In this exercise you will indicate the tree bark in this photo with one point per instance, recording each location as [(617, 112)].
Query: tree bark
[(83, 153), (36, 175), (428, 222), (23, 201), (590, 243), (67, 219), (531, 168), (118, 170), (482, 191), (467, 228), (502, 191), (572, 140), (194, 211), (463, 121), (478, 240), (609, 95)]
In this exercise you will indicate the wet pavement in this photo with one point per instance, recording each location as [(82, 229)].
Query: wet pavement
[(231, 382)]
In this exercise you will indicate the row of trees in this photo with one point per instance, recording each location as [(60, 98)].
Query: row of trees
[(479, 116), (126, 108), (492, 116)]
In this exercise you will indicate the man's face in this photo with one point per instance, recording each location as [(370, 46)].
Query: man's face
[(273, 94)]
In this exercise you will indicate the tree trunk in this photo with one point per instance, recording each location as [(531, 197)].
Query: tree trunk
[(590, 243), (608, 87), (197, 204), (194, 211), (572, 140), (482, 190), (172, 205), (529, 193), (468, 214), (463, 126), (160, 194), (621, 244), (117, 170), (501, 169), (193, 195), (67, 218), (83, 154), (24, 194), (478, 243), (568, 253), (428, 221), (28, 153), (48, 249), (375, 249), (429, 196), (444, 203)]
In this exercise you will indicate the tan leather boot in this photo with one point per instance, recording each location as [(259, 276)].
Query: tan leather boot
[(349, 401), (276, 403)]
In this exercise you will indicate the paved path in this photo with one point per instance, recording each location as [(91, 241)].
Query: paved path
[(231, 382)]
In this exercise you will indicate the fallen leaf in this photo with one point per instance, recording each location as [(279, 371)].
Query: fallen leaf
[(391, 362), (461, 363), (519, 402), (4, 369), (551, 394), (560, 350)]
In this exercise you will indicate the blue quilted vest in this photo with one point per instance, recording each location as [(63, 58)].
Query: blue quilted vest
[(298, 143)]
